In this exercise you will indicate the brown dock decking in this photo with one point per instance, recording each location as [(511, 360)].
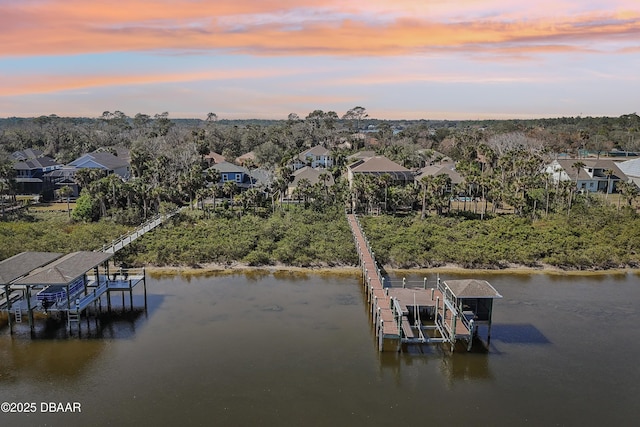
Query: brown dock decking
[(400, 314)]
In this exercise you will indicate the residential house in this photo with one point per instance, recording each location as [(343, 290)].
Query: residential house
[(65, 177), (591, 177), (448, 169), (247, 158), (27, 154), (32, 169), (230, 172), (631, 168), (104, 161), (214, 158), (313, 177), (315, 157), (377, 166), (361, 155)]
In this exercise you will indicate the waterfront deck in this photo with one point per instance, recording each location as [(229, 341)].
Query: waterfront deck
[(445, 313), (66, 287), (64, 284)]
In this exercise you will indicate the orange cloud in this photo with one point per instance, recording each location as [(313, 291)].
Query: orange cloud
[(32, 84), (282, 27)]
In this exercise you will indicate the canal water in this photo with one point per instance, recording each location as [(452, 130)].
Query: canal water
[(298, 350)]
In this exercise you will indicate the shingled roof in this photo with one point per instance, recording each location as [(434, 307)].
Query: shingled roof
[(471, 288), (23, 263), (66, 269)]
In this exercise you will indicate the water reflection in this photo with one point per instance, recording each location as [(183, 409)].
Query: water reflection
[(51, 360), (289, 349), (517, 333)]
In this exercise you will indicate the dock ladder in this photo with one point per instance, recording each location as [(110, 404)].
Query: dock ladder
[(17, 314), (73, 316)]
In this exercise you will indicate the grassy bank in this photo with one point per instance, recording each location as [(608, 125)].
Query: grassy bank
[(54, 232), (295, 238), (600, 238)]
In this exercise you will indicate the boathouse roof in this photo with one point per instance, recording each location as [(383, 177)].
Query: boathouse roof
[(23, 263), (66, 269), (471, 288)]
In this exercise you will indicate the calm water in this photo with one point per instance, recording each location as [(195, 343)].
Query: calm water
[(299, 351)]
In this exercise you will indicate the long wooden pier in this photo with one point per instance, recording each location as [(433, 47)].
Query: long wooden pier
[(448, 312), (147, 226)]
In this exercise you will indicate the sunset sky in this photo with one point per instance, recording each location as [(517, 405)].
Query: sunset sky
[(400, 59)]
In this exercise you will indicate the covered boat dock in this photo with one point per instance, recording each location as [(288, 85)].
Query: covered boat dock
[(67, 284)]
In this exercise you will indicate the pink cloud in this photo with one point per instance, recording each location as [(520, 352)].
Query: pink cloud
[(282, 27), (36, 84)]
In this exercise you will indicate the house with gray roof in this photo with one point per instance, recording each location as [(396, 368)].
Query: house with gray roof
[(312, 175), (314, 157), (103, 161), (378, 166), (592, 176), (631, 168), (32, 168), (448, 169)]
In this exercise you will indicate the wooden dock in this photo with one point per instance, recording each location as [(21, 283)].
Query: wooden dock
[(142, 229), (448, 312), (64, 284)]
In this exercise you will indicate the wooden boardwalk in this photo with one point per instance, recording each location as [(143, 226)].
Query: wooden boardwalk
[(149, 225), (419, 315), (383, 318)]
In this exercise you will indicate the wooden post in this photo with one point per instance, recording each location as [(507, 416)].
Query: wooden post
[(130, 295), (454, 317), (144, 285), (6, 292), (30, 311)]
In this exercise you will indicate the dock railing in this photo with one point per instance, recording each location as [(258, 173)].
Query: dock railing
[(369, 250), (148, 225)]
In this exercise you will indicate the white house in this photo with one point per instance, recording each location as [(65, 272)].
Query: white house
[(315, 157), (592, 176), (631, 168)]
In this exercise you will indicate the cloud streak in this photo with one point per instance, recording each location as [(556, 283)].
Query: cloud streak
[(321, 28), (18, 85), (271, 57)]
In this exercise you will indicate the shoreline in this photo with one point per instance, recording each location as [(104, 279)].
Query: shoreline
[(215, 269)]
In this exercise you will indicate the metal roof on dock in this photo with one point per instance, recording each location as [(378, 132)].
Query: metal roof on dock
[(66, 269), (471, 288), (23, 263)]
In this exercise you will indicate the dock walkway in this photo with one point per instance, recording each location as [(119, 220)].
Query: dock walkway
[(403, 315), (128, 238)]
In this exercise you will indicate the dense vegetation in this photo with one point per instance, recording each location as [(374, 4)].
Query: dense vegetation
[(297, 237), (593, 237), (501, 163), (54, 232), (597, 237)]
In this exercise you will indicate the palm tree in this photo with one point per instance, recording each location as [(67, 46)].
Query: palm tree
[(578, 167), (229, 188), (385, 180), (629, 190), (608, 174), (66, 192), (439, 193), (425, 182)]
